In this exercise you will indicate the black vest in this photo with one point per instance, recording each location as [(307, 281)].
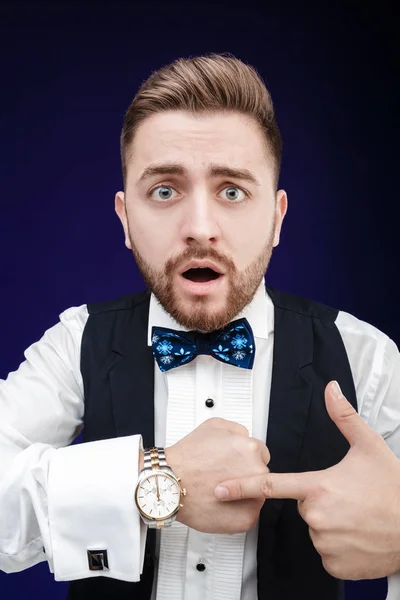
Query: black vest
[(118, 374)]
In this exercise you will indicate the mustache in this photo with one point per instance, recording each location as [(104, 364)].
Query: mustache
[(199, 253)]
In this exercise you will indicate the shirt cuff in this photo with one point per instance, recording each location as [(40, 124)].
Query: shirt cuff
[(393, 587), (91, 489)]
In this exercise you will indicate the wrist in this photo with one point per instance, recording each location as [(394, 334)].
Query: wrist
[(158, 493), (174, 462)]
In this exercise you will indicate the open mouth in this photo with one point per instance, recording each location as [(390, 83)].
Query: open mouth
[(201, 275)]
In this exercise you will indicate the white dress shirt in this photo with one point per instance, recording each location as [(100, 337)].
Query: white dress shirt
[(69, 499)]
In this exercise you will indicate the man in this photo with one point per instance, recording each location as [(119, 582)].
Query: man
[(208, 366)]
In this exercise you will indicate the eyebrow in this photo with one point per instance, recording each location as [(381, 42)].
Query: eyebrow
[(213, 171)]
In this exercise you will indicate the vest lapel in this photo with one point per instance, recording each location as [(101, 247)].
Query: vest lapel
[(291, 389), (291, 392), (132, 376)]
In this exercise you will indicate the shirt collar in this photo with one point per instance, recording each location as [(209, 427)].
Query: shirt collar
[(259, 314)]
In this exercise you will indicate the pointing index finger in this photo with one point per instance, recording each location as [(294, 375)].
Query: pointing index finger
[(270, 485)]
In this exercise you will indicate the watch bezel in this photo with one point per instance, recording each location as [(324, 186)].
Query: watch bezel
[(153, 473)]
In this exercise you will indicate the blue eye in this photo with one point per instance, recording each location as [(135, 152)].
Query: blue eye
[(234, 194), (162, 192)]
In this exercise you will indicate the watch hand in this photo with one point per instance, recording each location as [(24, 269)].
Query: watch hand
[(158, 489)]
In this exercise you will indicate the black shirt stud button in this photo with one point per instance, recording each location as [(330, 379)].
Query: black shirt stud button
[(209, 402), (201, 567)]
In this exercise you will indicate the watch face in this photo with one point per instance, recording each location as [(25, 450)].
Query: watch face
[(158, 496)]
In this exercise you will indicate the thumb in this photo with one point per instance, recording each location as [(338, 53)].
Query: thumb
[(345, 417)]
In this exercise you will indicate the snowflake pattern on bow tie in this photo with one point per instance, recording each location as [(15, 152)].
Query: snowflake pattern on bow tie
[(164, 347), (239, 341), (175, 348)]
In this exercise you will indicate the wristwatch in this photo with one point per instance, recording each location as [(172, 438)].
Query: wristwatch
[(158, 492)]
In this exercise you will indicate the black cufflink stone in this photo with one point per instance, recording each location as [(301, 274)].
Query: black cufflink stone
[(98, 560)]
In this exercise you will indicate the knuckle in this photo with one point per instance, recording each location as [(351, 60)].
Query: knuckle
[(252, 445), (348, 414), (266, 487), (322, 543), (238, 490), (332, 566), (315, 519), (263, 451)]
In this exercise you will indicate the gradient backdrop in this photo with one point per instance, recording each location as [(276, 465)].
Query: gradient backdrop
[(69, 71)]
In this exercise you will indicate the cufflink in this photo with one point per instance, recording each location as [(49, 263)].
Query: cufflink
[(98, 560)]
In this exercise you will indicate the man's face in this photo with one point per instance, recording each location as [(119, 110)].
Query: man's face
[(200, 213)]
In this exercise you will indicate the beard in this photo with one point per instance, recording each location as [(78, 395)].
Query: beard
[(242, 286)]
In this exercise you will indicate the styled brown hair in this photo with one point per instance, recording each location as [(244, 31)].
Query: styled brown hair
[(211, 83)]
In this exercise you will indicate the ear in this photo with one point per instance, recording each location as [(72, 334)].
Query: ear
[(280, 212), (120, 209)]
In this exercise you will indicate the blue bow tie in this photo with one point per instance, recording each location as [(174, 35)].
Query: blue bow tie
[(233, 345)]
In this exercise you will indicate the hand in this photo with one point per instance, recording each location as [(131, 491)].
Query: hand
[(158, 489), (216, 450), (352, 508)]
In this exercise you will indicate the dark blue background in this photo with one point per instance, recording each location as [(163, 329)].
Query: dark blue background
[(69, 71)]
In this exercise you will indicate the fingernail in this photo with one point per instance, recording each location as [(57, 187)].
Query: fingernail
[(336, 391), (221, 492)]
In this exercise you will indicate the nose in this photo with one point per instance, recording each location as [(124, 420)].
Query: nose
[(200, 226)]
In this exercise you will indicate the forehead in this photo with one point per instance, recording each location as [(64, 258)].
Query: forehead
[(196, 140)]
